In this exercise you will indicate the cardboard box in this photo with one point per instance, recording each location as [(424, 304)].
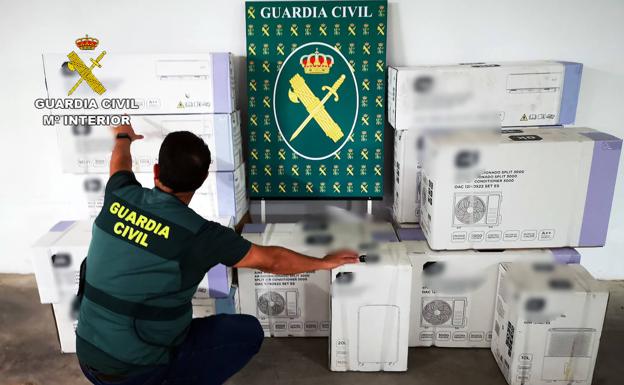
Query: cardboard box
[(453, 292), (526, 188), (223, 194), (158, 83), (66, 318), (547, 323), (206, 306), (57, 256), (298, 305), (370, 311), (406, 206), (87, 149), (527, 93)]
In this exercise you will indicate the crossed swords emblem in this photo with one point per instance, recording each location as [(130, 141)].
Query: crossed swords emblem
[(86, 74), (301, 93)]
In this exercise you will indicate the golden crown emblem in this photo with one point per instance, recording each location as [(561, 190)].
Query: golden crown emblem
[(316, 63), (87, 43)]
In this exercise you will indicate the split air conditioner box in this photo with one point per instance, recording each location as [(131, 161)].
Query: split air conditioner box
[(524, 188), (87, 149), (57, 256), (159, 83), (453, 292), (547, 323), (531, 93), (298, 305), (370, 311)]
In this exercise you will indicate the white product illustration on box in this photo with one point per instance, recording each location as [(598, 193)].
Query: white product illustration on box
[(378, 334), (279, 303), (568, 354), (443, 312), (477, 209)]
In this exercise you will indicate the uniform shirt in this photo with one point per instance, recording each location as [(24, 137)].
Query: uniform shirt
[(148, 253)]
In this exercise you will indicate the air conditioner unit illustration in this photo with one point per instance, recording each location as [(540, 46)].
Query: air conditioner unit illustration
[(568, 354), (474, 209), (443, 312), (278, 303)]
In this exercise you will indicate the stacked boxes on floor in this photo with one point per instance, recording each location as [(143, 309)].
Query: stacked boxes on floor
[(492, 265), (163, 94), (507, 94), (57, 257), (547, 323), (530, 187), (370, 311), (298, 305), (453, 292)]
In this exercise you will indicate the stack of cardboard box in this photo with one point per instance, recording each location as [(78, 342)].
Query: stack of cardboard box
[(500, 209), (161, 94), (57, 257)]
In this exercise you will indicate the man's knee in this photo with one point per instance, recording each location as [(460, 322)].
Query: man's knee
[(253, 330)]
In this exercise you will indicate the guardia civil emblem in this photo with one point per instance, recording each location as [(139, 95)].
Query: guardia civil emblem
[(315, 101)]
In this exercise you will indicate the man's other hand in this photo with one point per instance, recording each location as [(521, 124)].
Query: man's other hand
[(339, 258), (127, 129)]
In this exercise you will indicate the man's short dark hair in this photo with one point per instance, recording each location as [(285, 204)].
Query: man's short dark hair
[(184, 160)]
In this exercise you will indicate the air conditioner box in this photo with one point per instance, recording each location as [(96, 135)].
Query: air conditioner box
[(453, 292), (524, 188), (370, 311), (513, 93), (298, 305), (547, 323), (158, 83)]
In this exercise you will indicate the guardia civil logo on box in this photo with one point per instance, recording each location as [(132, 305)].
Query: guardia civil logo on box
[(316, 75), (316, 84)]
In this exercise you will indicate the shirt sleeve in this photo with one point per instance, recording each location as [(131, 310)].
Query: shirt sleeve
[(121, 179), (220, 244)]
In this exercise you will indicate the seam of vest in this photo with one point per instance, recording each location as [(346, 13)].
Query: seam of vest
[(135, 309)]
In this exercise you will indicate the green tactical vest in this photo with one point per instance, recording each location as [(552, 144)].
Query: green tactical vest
[(148, 253)]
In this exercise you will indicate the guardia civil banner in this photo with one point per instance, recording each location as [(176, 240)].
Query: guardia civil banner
[(316, 96)]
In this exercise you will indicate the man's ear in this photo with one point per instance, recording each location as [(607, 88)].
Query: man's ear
[(156, 173)]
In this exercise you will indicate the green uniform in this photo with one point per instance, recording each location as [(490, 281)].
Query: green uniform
[(148, 253)]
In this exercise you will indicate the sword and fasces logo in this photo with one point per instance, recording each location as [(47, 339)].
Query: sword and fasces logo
[(86, 73), (316, 84)]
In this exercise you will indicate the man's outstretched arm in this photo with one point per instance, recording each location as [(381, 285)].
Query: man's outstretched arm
[(280, 260), (121, 159)]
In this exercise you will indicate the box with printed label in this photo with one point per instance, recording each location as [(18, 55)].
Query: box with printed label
[(525, 188), (222, 195), (57, 256), (298, 305), (87, 149), (370, 311), (155, 83), (547, 323), (453, 292), (527, 93), (406, 206)]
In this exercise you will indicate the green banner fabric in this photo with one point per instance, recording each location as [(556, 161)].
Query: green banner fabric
[(316, 75)]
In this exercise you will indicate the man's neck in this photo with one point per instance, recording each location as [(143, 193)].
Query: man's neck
[(185, 197)]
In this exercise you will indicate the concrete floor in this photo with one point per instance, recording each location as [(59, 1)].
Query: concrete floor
[(29, 352)]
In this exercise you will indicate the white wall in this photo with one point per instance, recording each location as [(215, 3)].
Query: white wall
[(34, 195)]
